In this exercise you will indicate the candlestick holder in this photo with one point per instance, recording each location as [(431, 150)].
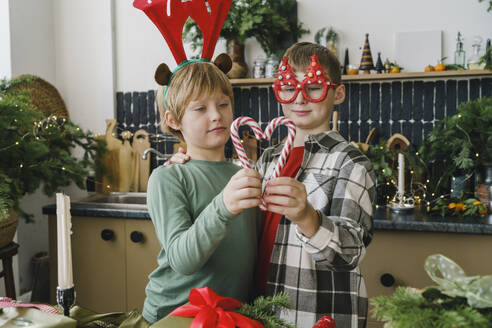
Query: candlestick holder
[(401, 204), (65, 298)]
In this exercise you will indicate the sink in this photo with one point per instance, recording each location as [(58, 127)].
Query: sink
[(114, 200)]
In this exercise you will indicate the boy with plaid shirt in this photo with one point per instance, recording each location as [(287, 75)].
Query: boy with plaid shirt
[(318, 219)]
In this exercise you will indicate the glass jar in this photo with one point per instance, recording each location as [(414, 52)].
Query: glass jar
[(259, 68), (271, 67), (474, 61)]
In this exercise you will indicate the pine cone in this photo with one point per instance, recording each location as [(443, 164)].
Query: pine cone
[(325, 322)]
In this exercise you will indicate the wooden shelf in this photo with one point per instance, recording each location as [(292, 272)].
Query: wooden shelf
[(369, 77)]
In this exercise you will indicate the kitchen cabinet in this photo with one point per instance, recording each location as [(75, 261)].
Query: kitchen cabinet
[(112, 258), (396, 258)]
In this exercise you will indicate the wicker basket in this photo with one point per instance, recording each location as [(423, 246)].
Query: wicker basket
[(8, 227)]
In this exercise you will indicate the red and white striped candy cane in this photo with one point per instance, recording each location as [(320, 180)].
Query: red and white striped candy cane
[(288, 143), (236, 141)]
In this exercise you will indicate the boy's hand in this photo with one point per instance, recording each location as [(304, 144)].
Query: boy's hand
[(178, 158), (242, 191), (288, 197)]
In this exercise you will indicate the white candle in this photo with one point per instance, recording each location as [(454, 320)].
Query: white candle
[(401, 174), (64, 227)]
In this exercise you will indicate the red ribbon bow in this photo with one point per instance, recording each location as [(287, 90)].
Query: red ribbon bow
[(211, 310)]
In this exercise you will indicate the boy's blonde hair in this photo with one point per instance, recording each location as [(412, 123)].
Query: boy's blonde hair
[(300, 54), (191, 82)]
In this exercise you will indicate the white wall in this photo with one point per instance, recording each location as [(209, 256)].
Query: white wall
[(5, 62), (140, 48), (84, 60)]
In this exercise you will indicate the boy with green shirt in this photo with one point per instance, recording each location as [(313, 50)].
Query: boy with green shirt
[(205, 211)]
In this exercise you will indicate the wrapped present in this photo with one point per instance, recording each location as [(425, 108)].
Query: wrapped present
[(207, 309)]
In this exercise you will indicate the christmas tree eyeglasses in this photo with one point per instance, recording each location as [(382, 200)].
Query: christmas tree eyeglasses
[(314, 87)]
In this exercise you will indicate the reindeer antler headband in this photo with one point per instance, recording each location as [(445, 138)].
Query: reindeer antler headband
[(170, 16)]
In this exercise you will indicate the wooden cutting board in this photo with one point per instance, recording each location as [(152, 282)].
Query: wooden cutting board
[(141, 166), (110, 181), (126, 163)]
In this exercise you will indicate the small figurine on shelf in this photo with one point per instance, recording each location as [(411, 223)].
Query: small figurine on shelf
[(379, 64), (366, 63), (387, 66)]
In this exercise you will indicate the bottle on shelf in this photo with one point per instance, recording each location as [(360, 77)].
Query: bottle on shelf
[(459, 54)]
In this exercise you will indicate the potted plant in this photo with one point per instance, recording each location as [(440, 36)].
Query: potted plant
[(327, 37), (269, 21), (35, 151), (459, 145)]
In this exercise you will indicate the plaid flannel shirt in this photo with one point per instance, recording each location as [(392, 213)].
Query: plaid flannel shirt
[(321, 274)]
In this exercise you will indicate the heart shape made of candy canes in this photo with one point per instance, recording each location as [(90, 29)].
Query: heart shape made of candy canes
[(259, 134)]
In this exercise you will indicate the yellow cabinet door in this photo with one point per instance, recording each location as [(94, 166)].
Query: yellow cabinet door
[(401, 255), (98, 260), (142, 249)]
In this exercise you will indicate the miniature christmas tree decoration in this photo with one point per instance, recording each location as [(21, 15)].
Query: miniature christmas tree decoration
[(379, 64), (345, 62), (366, 63)]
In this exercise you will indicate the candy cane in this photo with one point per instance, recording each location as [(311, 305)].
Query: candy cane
[(245, 120), (288, 143), (236, 141)]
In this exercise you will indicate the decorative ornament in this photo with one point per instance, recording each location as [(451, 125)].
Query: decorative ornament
[(452, 281), (315, 75), (169, 16), (345, 62), (379, 64), (211, 310), (259, 134), (366, 63)]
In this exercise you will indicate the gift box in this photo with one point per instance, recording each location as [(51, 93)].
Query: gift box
[(15, 317)]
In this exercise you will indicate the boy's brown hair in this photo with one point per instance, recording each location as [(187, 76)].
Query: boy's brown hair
[(300, 54), (190, 83)]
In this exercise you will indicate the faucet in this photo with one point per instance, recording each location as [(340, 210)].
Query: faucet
[(159, 155)]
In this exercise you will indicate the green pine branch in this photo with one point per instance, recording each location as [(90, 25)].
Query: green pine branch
[(264, 310), (409, 308), (36, 150)]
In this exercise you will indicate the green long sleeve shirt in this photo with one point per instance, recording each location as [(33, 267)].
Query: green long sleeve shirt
[(202, 243)]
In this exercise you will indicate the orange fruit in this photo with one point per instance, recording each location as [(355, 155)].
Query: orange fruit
[(482, 209), (451, 206), (460, 207), (429, 68), (395, 69), (440, 67)]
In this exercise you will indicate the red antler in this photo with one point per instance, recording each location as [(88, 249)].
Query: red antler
[(171, 26), (210, 23)]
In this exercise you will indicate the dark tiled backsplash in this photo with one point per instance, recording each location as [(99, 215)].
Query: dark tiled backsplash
[(411, 108)]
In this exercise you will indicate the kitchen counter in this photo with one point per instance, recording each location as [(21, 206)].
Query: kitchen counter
[(383, 219)]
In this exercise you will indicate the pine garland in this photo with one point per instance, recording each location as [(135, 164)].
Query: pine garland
[(410, 308), (459, 143), (264, 310), (36, 150)]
